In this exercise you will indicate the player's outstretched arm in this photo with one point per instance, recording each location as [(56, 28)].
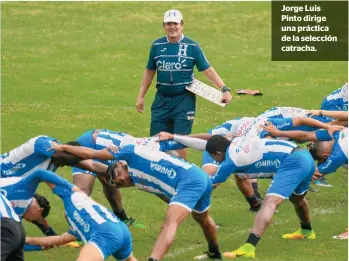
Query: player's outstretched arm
[(295, 135), (340, 115), (317, 124), (83, 152), (203, 136), (190, 142), (41, 175), (93, 166), (51, 241)]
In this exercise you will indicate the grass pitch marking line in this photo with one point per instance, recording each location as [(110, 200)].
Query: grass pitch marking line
[(276, 221)]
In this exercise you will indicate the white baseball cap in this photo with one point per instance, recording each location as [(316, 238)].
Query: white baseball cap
[(173, 16)]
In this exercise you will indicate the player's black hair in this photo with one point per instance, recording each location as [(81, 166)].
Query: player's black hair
[(43, 203), (217, 143), (63, 158), (73, 143), (313, 150), (110, 176)]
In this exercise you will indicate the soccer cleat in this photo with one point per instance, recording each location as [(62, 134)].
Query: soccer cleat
[(300, 234), (342, 236), (131, 222), (73, 244), (246, 250), (208, 255), (322, 182)]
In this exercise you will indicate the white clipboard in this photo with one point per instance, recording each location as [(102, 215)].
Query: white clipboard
[(207, 92)]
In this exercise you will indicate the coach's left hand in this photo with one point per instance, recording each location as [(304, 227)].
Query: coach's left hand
[(226, 97)]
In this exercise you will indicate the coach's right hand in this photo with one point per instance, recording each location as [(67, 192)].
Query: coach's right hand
[(140, 104)]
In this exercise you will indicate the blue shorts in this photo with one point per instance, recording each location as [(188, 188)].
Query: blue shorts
[(85, 140), (77, 171), (208, 160), (173, 114), (112, 239), (294, 175), (194, 191)]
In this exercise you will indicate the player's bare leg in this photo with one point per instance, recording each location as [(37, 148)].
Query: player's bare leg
[(302, 208), (265, 214), (84, 182), (131, 258), (90, 253), (209, 228), (210, 169), (245, 186), (303, 212), (175, 215), (261, 223), (114, 198)]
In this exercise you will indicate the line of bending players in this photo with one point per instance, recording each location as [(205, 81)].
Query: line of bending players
[(247, 147)]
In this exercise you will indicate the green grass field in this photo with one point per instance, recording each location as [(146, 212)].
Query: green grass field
[(72, 66)]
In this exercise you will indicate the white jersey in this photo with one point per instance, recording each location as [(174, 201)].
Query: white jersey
[(30, 156), (251, 158), (6, 210), (106, 138), (337, 100), (284, 112)]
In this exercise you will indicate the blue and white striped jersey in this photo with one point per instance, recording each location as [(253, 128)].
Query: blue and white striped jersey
[(106, 138), (337, 100), (284, 112), (6, 210), (339, 153), (28, 157), (290, 112), (83, 214), (253, 158), (251, 127), (21, 190), (236, 127), (154, 171)]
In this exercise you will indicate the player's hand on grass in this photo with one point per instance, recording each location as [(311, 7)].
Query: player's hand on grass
[(317, 175), (226, 98), (162, 136), (270, 128), (140, 104), (57, 147)]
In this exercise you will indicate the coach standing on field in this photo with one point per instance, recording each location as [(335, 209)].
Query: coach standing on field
[(173, 57)]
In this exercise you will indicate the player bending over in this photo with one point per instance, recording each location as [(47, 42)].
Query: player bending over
[(185, 186), (292, 169), (101, 231), (33, 154), (100, 139)]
